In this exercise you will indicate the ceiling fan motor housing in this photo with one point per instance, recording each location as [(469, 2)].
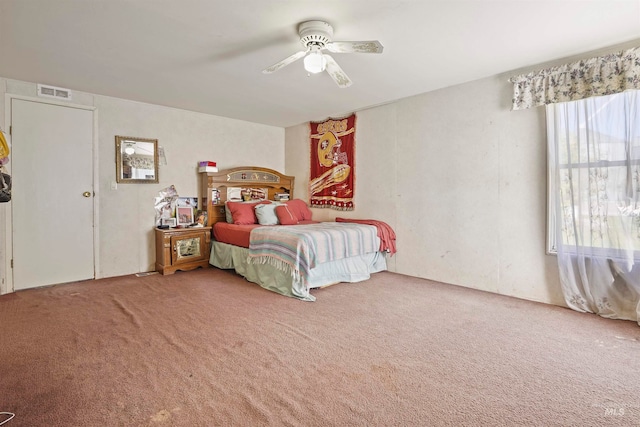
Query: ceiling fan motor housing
[(315, 33)]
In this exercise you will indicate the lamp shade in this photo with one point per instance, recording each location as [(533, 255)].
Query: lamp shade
[(315, 62)]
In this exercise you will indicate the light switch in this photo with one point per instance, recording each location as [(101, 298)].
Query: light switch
[(114, 185)]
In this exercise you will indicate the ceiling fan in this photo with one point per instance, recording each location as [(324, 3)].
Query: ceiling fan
[(316, 36)]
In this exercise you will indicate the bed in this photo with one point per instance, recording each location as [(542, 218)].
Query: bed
[(275, 243)]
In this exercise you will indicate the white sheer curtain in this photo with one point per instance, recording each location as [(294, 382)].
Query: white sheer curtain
[(594, 161)]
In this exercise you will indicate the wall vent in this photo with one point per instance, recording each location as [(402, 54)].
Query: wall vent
[(54, 92)]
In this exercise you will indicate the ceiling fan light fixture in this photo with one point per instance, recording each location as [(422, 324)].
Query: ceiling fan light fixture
[(315, 62), (129, 149), (316, 37)]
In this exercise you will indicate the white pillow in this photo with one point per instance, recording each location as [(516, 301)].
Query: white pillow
[(266, 214)]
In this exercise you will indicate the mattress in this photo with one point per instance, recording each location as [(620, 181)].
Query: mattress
[(238, 235), (233, 234)]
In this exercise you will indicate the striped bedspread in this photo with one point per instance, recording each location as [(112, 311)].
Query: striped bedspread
[(299, 248)]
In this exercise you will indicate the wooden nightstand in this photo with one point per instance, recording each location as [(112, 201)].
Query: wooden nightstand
[(182, 249)]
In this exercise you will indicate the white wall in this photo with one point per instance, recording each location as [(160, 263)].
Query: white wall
[(186, 137), (126, 215), (461, 179)]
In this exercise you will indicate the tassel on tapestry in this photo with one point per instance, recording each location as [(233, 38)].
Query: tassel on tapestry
[(332, 173)]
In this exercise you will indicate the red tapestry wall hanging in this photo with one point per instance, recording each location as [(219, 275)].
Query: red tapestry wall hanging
[(332, 178)]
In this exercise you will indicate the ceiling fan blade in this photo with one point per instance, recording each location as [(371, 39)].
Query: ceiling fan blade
[(371, 46), (336, 72), (284, 62)]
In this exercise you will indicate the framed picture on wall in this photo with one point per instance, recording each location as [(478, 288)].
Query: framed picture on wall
[(184, 215)]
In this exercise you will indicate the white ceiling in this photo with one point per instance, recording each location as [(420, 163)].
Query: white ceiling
[(207, 55)]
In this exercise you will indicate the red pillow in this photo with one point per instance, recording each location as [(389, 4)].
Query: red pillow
[(244, 213), (299, 209), (285, 216)]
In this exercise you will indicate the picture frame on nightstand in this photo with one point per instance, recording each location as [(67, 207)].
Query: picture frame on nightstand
[(184, 215), (171, 222)]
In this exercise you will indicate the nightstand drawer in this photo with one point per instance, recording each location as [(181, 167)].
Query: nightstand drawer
[(182, 249)]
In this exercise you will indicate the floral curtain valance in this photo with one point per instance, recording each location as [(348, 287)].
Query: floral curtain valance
[(603, 75)]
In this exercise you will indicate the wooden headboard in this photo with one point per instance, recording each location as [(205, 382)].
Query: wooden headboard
[(241, 177)]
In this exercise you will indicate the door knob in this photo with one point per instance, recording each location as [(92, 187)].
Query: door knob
[(87, 194)]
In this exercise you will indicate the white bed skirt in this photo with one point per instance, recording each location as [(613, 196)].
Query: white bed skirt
[(354, 269)]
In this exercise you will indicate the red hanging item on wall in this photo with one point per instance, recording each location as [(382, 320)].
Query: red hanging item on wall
[(332, 173)]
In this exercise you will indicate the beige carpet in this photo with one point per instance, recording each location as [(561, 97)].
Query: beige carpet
[(206, 348)]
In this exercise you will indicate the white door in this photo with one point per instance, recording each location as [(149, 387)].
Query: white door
[(52, 193)]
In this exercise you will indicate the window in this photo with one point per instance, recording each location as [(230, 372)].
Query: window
[(594, 174)]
